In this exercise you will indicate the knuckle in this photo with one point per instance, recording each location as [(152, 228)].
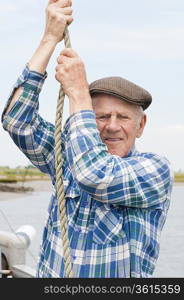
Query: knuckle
[(59, 59), (69, 2), (66, 67), (56, 76), (69, 10), (70, 19), (52, 12), (65, 3), (57, 67), (79, 61), (59, 73)]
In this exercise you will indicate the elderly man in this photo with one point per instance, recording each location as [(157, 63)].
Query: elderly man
[(116, 197)]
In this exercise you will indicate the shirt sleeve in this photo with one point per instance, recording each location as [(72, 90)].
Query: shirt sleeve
[(143, 180), (30, 132)]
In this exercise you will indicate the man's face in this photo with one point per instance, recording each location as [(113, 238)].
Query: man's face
[(119, 123)]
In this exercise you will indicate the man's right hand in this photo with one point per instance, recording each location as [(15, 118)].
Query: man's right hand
[(58, 15)]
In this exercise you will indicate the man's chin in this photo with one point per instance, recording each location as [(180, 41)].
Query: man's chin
[(118, 153)]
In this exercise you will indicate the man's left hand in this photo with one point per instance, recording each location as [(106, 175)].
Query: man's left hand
[(70, 72)]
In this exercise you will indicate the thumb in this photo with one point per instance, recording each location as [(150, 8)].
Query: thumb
[(52, 1)]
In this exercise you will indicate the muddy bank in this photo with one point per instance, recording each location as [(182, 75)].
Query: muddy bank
[(14, 189), (19, 189)]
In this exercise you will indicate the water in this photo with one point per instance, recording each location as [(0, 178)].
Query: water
[(32, 210)]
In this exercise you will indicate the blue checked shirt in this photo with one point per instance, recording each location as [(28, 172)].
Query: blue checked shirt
[(116, 207)]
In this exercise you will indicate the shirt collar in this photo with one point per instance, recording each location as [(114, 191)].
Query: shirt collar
[(132, 152)]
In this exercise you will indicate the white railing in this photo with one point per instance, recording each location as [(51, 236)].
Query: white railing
[(13, 248)]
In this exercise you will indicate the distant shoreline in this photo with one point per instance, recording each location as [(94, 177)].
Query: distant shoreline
[(35, 186)]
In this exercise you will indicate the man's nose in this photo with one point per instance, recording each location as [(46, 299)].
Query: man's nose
[(113, 125)]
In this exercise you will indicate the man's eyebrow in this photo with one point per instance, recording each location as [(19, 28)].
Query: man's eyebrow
[(108, 114), (102, 113)]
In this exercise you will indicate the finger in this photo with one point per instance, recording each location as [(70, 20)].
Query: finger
[(52, 1), (65, 10), (62, 59), (58, 68), (69, 19), (69, 52), (68, 10), (61, 69), (63, 3)]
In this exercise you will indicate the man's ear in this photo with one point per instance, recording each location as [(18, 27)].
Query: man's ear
[(141, 126)]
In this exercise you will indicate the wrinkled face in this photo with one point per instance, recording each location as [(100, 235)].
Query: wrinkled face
[(119, 123)]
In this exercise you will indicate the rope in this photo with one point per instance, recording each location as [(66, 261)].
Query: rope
[(59, 178)]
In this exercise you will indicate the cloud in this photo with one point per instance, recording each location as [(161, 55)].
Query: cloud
[(173, 13), (172, 129), (155, 44), (15, 15), (154, 40), (167, 141)]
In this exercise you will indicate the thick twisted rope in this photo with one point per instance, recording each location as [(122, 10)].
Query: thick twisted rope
[(59, 177)]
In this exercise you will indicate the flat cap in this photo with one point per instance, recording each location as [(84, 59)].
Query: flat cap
[(123, 89)]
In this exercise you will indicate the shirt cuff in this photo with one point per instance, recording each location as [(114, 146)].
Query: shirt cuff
[(30, 80), (79, 120)]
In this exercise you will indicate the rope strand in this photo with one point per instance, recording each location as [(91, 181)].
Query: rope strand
[(59, 177)]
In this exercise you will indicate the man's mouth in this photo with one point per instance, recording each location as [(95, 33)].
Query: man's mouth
[(112, 140)]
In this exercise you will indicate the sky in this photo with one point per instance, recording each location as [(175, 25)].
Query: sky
[(142, 41)]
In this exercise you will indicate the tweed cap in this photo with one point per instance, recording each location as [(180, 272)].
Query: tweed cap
[(123, 89)]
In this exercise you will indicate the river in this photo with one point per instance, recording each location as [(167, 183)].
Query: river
[(32, 210)]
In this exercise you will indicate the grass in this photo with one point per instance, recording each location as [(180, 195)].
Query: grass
[(179, 177), (21, 174)]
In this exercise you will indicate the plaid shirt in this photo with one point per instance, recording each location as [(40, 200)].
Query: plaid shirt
[(116, 207)]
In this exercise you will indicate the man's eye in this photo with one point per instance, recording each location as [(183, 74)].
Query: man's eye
[(123, 117), (102, 117)]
